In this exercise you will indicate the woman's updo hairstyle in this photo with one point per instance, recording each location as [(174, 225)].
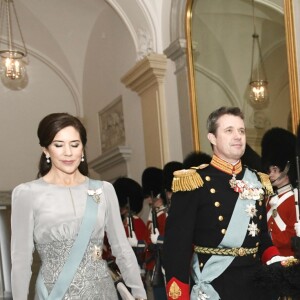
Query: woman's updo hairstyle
[(48, 127)]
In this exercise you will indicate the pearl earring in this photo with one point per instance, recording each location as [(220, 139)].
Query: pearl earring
[(82, 158), (48, 159)]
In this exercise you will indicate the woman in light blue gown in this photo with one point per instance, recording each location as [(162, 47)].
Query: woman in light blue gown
[(54, 214)]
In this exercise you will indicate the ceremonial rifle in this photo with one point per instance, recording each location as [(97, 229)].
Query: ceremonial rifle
[(119, 282), (296, 239), (130, 218), (158, 278), (131, 226), (139, 248)]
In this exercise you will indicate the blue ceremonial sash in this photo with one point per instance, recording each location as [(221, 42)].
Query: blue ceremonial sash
[(234, 237), (77, 251)]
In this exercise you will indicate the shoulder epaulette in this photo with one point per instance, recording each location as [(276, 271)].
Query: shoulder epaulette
[(186, 180), (202, 166), (265, 180)]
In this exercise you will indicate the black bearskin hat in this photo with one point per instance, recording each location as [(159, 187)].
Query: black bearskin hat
[(128, 189), (278, 146), (282, 281), (195, 159), (168, 171), (152, 182), (251, 159)]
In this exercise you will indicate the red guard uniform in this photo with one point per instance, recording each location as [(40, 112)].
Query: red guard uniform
[(161, 220), (281, 215), (139, 228), (140, 232), (203, 206)]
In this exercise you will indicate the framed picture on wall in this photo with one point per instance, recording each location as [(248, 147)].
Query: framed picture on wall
[(111, 124)]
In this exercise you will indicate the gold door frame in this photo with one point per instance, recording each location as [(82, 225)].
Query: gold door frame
[(292, 67)]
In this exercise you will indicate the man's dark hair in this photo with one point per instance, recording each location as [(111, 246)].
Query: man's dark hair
[(213, 118)]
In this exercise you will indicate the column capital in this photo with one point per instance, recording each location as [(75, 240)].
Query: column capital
[(149, 71)]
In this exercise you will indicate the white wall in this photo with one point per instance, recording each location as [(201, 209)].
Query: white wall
[(110, 55)]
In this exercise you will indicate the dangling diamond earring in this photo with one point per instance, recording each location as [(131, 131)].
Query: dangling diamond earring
[(48, 159), (82, 158)]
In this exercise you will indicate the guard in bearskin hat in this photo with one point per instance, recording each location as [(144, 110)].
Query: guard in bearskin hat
[(296, 240), (151, 187), (279, 161), (130, 198), (152, 183)]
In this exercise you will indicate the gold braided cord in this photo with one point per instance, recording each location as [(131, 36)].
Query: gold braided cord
[(266, 182), (186, 180), (290, 262), (226, 251)]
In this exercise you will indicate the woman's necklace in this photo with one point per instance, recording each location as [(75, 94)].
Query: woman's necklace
[(74, 209)]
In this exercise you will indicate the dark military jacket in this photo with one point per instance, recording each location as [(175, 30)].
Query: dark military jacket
[(200, 217)]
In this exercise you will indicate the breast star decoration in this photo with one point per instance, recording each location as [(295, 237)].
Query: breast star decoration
[(95, 194), (252, 228), (251, 210)]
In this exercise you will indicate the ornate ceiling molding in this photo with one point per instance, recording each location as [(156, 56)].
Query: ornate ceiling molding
[(141, 21)]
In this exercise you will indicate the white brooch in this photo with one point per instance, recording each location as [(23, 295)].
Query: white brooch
[(95, 194), (96, 252), (246, 190), (202, 295), (253, 230), (251, 210)]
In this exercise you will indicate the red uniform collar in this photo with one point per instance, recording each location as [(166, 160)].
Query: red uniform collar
[(225, 166)]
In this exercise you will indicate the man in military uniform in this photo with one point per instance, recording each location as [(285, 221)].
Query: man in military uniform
[(217, 225), (278, 157)]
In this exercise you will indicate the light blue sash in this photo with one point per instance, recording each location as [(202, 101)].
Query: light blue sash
[(234, 237), (76, 254)]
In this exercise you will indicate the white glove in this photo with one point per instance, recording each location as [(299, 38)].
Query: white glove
[(297, 229), (125, 294), (133, 240), (154, 236), (278, 258)]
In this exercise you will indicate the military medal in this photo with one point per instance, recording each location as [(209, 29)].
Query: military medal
[(274, 213)]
